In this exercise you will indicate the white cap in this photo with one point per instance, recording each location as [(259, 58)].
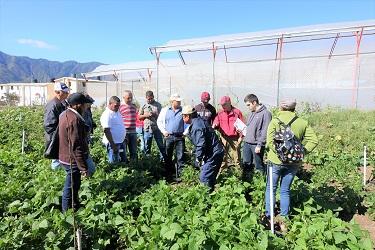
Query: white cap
[(60, 86), (175, 97)]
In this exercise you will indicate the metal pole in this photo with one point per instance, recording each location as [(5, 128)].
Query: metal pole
[(79, 239), (118, 83), (356, 70), (106, 93), (213, 74), (364, 165), (270, 179), (279, 70), (157, 75), (23, 141), (31, 103), (121, 84)]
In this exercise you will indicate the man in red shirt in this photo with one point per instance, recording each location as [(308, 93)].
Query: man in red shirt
[(128, 112), (231, 139)]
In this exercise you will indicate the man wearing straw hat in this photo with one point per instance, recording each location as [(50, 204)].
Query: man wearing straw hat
[(285, 170), (208, 151), (171, 125)]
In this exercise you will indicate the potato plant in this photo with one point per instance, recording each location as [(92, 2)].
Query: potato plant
[(133, 207)]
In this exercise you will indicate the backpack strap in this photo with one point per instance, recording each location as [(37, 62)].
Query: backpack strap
[(291, 121), (288, 124), (281, 123)]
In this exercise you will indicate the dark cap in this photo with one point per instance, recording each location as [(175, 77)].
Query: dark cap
[(77, 98), (90, 99)]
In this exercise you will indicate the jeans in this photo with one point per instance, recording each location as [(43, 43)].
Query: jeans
[(120, 156), (148, 135), (55, 164), (284, 173), (74, 174), (140, 139), (90, 166), (210, 169), (131, 144), (249, 157), (172, 142)]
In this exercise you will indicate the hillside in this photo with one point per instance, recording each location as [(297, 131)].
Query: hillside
[(25, 69)]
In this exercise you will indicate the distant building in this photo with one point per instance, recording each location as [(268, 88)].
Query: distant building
[(39, 93), (29, 93)]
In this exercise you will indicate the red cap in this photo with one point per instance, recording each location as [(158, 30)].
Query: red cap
[(225, 99), (205, 97)]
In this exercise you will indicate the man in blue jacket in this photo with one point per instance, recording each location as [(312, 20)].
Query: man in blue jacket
[(209, 151)]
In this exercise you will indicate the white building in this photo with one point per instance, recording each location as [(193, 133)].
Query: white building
[(29, 93)]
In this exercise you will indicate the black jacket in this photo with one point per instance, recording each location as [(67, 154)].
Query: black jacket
[(204, 138), (52, 111)]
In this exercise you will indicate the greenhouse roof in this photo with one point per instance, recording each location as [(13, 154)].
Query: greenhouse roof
[(298, 33)]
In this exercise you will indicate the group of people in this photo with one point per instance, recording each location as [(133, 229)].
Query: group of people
[(240, 143)]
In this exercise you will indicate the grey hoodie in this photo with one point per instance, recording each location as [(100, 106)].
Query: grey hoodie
[(257, 124)]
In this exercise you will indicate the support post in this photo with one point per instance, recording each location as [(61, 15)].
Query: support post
[(279, 57), (334, 46), (23, 141), (106, 93), (213, 74), (364, 165), (157, 74), (356, 70), (270, 176)]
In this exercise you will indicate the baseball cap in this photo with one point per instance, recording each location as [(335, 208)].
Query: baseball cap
[(90, 99), (225, 99), (77, 98), (175, 97), (187, 110), (60, 86), (205, 96)]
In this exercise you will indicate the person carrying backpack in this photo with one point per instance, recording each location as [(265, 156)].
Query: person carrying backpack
[(285, 135)]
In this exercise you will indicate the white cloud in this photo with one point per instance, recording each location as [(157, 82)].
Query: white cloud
[(36, 43)]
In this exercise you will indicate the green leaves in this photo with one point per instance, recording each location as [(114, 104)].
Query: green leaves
[(339, 237), (132, 207), (119, 220)]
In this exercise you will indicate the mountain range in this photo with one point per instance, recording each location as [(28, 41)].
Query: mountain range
[(25, 69)]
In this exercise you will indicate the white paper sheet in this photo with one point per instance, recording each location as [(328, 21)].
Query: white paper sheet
[(240, 126)]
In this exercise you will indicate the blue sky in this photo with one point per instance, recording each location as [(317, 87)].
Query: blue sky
[(117, 31)]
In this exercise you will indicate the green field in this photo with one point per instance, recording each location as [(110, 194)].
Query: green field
[(132, 207)]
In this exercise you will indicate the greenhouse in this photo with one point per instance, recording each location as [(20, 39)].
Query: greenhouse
[(328, 65)]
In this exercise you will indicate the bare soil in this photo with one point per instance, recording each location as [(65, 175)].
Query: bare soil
[(369, 173), (366, 224)]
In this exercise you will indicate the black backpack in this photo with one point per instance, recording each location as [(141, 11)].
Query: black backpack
[(288, 147)]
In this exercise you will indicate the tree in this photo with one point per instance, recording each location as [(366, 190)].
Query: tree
[(9, 99)]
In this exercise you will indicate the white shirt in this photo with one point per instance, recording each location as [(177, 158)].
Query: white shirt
[(114, 122), (161, 119)]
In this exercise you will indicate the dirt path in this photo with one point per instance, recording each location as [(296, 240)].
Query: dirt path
[(369, 173), (366, 224)]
